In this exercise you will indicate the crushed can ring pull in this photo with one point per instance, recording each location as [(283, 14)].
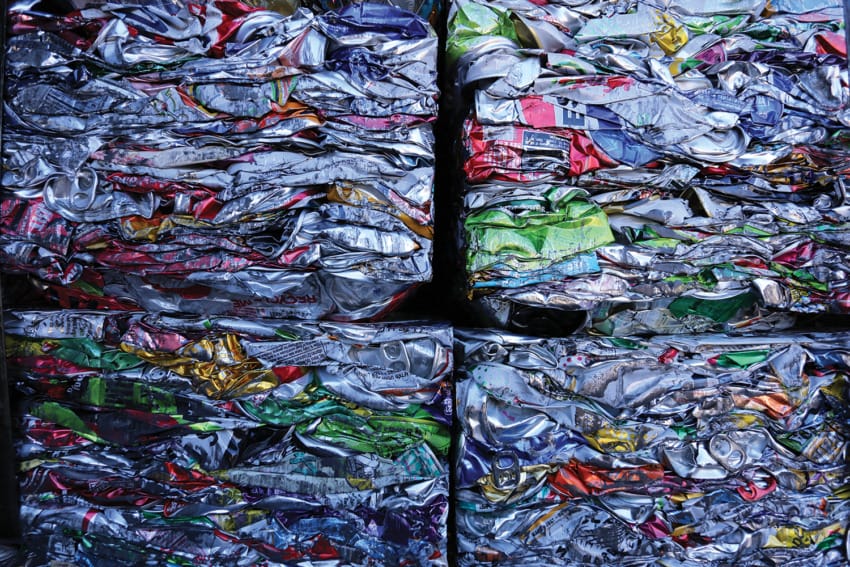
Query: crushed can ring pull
[(727, 452), (505, 470), (75, 193)]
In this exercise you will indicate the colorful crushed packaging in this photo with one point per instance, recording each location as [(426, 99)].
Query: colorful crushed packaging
[(213, 157), (660, 167), (673, 451), (154, 440)]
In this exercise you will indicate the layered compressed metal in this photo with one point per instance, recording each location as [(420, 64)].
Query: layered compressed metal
[(430, 10), (148, 440), (674, 451), (213, 157), (664, 166)]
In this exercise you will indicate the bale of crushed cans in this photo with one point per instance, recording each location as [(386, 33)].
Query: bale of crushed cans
[(664, 167), (678, 450), (155, 440), (213, 157), (430, 10)]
